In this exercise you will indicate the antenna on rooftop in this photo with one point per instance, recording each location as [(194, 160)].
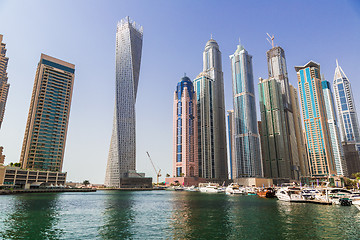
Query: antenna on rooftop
[(271, 38), (211, 36)]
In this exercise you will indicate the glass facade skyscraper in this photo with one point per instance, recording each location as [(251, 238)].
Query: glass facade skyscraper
[(4, 86), (276, 155), (333, 129), (349, 124), (46, 128), (122, 153), (279, 143), (246, 137), (318, 142), (231, 141), (185, 155), (213, 160), (204, 89)]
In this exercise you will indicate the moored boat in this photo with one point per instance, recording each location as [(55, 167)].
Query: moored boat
[(266, 193), (289, 193), (234, 188), (210, 188), (357, 204)]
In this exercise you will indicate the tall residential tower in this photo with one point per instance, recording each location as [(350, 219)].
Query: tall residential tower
[(349, 124), (246, 136), (213, 160), (46, 128), (122, 153), (4, 86), (333, 129), (185, 162), (204, 89), (318, 142), (279, 147)]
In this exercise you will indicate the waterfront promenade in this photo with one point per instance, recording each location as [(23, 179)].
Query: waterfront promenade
[(46, 190)]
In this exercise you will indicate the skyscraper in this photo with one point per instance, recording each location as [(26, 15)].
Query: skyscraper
[(185, 154), (122, 153), (349, 124), (246, 137), (276, 155), (4, 86), (280, 150), (231, 141), (213, 69), (333, 129), (204, 90), (46, 128), (299, 132), (318, 143)]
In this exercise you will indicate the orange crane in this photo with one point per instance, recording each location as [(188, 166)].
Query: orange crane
[(156, 172)]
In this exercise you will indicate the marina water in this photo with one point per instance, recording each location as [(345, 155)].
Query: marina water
[(170, 215)]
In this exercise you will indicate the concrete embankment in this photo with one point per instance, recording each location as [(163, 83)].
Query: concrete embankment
[(20, 191), (127, 189)]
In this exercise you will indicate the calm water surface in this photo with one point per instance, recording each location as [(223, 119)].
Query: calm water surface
[(170, 215)]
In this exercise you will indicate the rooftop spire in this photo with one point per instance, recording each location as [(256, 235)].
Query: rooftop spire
[(339, 73)]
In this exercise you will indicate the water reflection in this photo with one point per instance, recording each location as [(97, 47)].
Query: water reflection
[(118, 215), (199, 216), (32, 217), (318, 221)]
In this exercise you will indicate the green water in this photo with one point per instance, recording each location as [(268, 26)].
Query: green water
[(170, 215)]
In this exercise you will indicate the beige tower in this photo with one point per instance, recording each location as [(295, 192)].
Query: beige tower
[(46, 127), (304, 166), (4, 86)]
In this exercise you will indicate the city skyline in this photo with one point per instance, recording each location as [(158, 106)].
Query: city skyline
[(161, 74)]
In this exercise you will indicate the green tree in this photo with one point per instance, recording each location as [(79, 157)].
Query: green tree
[(86, 182), (356, 175)]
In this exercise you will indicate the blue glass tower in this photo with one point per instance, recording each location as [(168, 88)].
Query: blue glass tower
[(333, 128), (345, 103), (246, 137)]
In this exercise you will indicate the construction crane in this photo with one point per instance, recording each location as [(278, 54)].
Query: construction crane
[(156, 172)]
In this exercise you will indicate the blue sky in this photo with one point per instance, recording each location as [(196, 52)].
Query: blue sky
[(175, 33)]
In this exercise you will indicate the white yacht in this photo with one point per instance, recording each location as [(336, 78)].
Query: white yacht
[(289, 193), (234, 188), (191, 189), (356, 204), (336, 194), (210, 188), (250, 191)]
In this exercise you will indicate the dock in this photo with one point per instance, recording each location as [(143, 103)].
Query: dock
[(127, 189), (46, 190), (312, 201)]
